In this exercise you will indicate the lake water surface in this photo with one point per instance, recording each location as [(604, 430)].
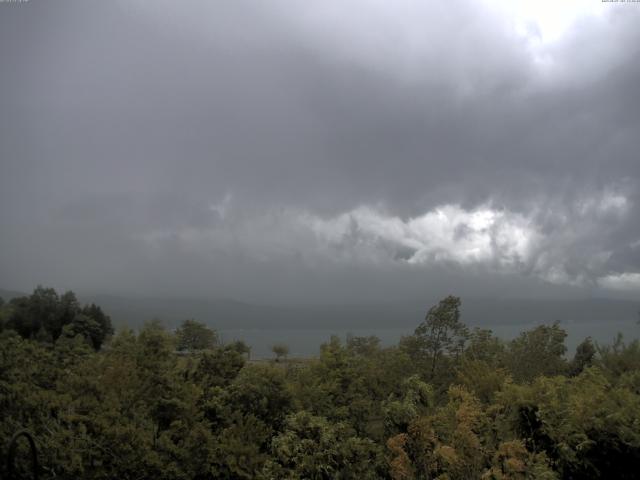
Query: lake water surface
[(305, 342)]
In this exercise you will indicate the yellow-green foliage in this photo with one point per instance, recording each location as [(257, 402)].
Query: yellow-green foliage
[(473, 407)]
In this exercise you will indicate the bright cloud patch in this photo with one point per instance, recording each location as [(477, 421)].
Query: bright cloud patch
[(623, 281), (561, 245), (546, 20), (445, 234)]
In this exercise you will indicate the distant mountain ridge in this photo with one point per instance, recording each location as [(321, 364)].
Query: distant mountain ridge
[(225, 314), (9, 294), (234, 314)]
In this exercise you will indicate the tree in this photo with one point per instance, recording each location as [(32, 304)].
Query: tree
[(40, 310), (481, 378), (481, 367), (441, 333), (484, 346), (414, 400), (85, 326), (103, 320), (139, 410), (44, 314), (584, 424), (67, 310), (539, 351), (445, 443), (241, 347), (512, 461), (261, 391), (280, 350), (365, 346), (312, 447), (583, 358), (4, 314), (193, 335), (620, 358), (240, 448), (219, 367)]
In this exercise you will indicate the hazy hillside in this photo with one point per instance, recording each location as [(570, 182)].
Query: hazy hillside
[(234, 314), (9, 294)]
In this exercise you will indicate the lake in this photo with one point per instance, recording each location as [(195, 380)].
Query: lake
[(305, 342)]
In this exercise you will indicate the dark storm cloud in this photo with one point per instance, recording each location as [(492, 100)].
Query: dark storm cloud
[(208, 148)]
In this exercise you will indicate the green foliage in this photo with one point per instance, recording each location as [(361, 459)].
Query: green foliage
[(482, 378), (261, 390), (483, 346), (619, 358), (85, 327), (401, 410), (280, 350), (512, 461), (536, 352), (588, 427), (583, 358), (488, 410), (344, 386), (240, 448), (365, 346), (440, 337), (5, 313), (240, 347), (312, 447), (218, 367), (193, 335), (45, 316), (104, 322), (456, 440)]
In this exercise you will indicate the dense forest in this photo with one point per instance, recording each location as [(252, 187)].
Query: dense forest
[(445, 403)]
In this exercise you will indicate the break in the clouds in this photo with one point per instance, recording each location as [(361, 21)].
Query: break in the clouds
[(320, 149)]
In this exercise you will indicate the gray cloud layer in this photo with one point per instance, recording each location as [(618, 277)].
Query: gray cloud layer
[(321, 151)]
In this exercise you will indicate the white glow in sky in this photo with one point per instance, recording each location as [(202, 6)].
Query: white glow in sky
[(545, 21)]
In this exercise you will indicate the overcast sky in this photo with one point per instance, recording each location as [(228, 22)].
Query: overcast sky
[(325, 151)]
